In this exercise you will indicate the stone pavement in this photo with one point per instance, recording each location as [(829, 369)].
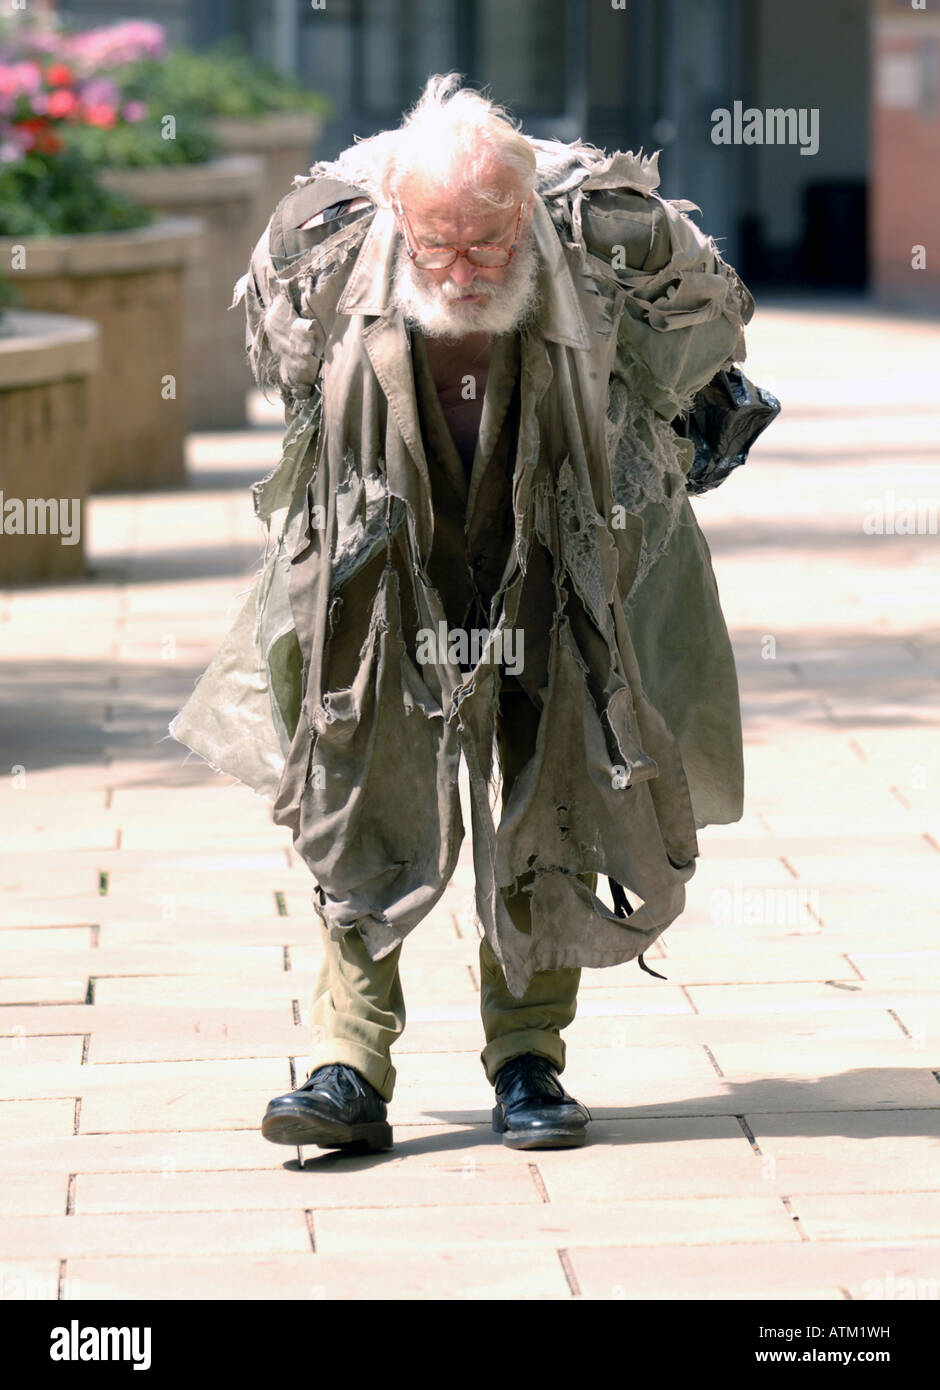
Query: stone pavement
[(766, 1120)]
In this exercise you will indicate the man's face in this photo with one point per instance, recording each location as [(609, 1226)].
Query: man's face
[(465, 298)]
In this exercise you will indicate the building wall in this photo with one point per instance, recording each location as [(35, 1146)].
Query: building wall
[(906, 155), (620, 83), (174, 15), (810, 54), (373, 58), (655, 71)]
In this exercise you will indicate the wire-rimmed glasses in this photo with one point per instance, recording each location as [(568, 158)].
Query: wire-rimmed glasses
[(487, 255)]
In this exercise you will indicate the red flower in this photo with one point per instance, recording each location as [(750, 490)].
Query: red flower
[(62, 104), (101, 115), (59, 75), (45, 140)]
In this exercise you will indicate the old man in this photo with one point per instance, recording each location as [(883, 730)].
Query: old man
[(481, 341)]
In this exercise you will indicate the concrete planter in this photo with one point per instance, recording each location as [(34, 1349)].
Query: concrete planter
[(284, 141), (224, 193), (47, 365), (131, 284)]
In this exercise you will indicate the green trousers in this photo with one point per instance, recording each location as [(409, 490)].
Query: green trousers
[(358, 1005)]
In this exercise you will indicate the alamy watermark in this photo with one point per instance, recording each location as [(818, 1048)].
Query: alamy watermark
[(34, 1287), (42, 516), (889, 515), (468, 646), (775, 125), (78, 1343), (796, 906), (894, 1286)]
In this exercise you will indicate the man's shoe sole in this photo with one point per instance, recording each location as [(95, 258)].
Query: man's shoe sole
[(543, 1138), (290, 1126)]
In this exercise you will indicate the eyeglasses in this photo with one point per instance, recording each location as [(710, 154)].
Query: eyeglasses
[(485, 255)]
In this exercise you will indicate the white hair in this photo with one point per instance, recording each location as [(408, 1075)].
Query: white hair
[(454, 138)]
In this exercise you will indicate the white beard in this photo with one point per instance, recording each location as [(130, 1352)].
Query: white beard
[(508, 306)]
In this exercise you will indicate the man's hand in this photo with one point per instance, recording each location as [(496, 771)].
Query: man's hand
[(297, 343)]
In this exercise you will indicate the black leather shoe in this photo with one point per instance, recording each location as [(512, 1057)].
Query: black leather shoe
[(335, 1108), (533, 1111)]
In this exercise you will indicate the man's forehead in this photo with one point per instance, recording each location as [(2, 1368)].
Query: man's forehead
[(437, 212), (432, 204)]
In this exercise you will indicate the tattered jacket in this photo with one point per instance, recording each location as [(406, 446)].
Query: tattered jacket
[(609, 578)]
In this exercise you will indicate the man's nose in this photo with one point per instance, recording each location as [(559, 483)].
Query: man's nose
[(462, 272)]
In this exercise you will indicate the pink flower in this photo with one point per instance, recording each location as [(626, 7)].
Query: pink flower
[(27, 41), (61, 104), (100, 115), (101, 91), (20, 78), (43, 41), (98, 50), (40, 103), (59, 75), (134, 111)]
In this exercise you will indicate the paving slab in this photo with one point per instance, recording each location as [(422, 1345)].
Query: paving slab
[(20, 1048), (141, 959), (33, 1279), (19, 1021), (45, 989), (909, 1216), (27, 1118), (40, 1193), (853, 922), (275, 986), (200, 1035), (816, 1059), (865, 1089), (836, 1271), (76, 874), (884, 966), (692, 963), (850, 1153), (267, 929), (159, 1078), (93, 834), (143, 1152), (554, 1225), (603, 1026), (848, 992), (430, 1144), (26, 942), (436, 1274), (653, 1160), (160, 1233), (174, 1096), (598, 989), (451, 1184)]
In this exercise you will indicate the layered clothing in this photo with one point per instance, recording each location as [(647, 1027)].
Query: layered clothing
[(573, 532)]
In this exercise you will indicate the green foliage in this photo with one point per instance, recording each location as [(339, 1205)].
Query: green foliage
[(224, 80), (52, 195), (141, 144)]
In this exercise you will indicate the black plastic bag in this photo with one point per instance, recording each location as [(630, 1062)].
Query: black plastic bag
[(726, 417)]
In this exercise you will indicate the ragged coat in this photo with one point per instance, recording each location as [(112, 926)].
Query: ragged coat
[(317, 700)]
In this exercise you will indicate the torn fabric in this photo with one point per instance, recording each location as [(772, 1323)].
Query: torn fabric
[(320, 701)]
